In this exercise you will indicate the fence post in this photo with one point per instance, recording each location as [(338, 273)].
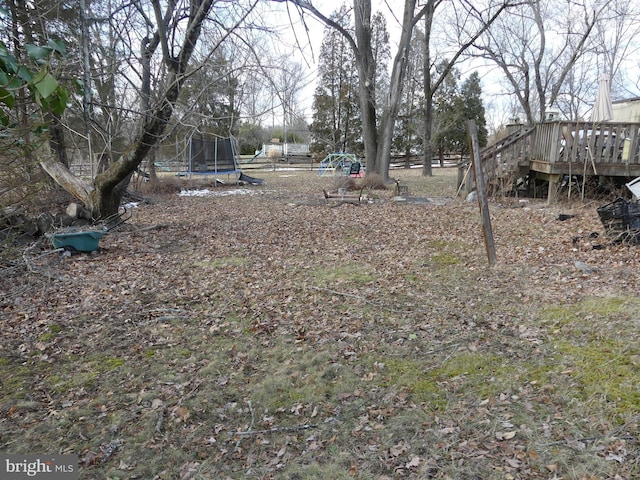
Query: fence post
[(472, 134)]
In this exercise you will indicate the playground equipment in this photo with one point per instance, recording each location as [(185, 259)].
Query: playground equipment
[(213, 157), (217, 157), (341, 164)]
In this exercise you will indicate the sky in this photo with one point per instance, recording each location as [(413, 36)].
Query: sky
[(304, 45)]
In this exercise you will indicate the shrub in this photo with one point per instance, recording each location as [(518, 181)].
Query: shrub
[(373, 181), (347, 183)]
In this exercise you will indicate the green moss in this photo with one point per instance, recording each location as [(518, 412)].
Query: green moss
[(55, 328), (51, 334), (605, 371), (539, 374), (558, 315), (111, 363), (605, 306), (351, 273), (15, 382), (183, 352), (592, 307), (436, 244), (352, 239), (443, 259), (471, 374), (224, 262), (55, 383)]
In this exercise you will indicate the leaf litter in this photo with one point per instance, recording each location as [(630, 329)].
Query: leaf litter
[(276, 336)]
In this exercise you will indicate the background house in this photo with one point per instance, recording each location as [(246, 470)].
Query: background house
[(626, 110)]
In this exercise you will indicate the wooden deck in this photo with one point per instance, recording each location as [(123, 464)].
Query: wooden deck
[(552, 150)]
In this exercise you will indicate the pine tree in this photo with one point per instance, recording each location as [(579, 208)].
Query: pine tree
[(473, 109), (336, 123), (448, 124)]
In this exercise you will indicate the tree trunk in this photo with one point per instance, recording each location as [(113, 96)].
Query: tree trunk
[(56, 139), (103, 200), (62, 175), (398, 74), (407, 150), (377, 141), (111, 184), (428, 94), (366, 83)]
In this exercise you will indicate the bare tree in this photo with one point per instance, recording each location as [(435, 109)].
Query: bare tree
[(377, 130), (537, 47), (173, 34), (616, 44), (467, 24)]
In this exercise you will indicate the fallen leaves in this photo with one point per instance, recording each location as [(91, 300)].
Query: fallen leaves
[(248, 338), (505, 435)]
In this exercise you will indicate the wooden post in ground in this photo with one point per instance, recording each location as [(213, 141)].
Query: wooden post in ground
[(472, 134), (552, 194)]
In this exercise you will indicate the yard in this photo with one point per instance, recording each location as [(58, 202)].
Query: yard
[(264, 332)]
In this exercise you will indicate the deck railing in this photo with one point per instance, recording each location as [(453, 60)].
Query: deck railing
[(561, 148), (612, 146)]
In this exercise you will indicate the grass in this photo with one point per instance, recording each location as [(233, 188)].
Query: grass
[(593, 348), (274, 349), (605, 375), (347, 272)]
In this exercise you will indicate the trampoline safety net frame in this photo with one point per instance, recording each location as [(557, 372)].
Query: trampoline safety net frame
[(213, 157)]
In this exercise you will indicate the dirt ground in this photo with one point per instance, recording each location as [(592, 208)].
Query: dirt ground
[(267, 332)]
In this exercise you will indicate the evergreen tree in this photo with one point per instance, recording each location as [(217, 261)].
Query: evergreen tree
[(336, 123), (454, 106), (472, 107), (407, 138), (448, 125)]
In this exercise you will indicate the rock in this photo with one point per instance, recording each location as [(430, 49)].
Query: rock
[(583, 267), (72, 210), (45, 223), (75, 210)]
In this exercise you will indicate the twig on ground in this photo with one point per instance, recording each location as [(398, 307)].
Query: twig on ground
[(610, 435), (590, 440), (160, 421), (248, 432), (276, 430), (26, 261), (344, 294)]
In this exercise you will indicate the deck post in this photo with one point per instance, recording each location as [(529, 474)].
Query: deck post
[(552, 194)]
